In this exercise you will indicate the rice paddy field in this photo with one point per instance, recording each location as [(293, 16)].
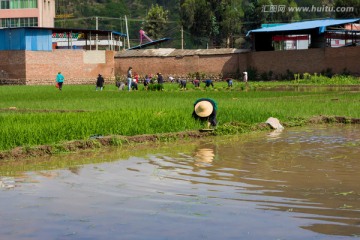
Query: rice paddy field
[(39, 115)]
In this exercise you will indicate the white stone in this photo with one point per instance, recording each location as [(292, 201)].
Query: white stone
[(274, 123)]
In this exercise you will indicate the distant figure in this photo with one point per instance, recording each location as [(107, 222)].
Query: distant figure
[(208, 83), (245, 77), (60, 80), (143, 35), (99, 83), (146, 82), (129, 77), (136, 78), (182, 84), (120, 85), (160, 80), (171, 79), (153, 78), (229, 82), (134, 84), (196, 82), (205, 110)]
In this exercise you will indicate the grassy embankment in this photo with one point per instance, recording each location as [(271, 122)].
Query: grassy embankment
[(44, 115)]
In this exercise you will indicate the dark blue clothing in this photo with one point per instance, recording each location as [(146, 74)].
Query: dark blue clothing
[(146, 81), (209, 82), (134, 86), (100, 81), (160, 79), (182, 83)]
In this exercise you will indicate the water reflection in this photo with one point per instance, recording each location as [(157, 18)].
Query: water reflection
[(7, 182), (204, 157), (299, 183), (275, 134)]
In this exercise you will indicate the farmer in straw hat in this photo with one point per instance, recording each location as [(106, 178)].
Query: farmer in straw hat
[(205, 110)]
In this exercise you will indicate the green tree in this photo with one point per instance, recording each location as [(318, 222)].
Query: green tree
[(254, 13), (155, 21), (260, 11), (283, 16), (232, 17), (306, 15), (213, 21), (343, 4), (198, 19)]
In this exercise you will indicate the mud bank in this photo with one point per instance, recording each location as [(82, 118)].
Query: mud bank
[(96, 142), (117, 140)]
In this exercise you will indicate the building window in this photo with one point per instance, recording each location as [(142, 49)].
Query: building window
[(18, 22), (4, 4), (16, 4)]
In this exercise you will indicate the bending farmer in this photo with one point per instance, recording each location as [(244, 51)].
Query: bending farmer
[(205, 110)]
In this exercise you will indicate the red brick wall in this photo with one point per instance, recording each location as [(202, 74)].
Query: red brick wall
[(296, 61), (340, 58), (12, 67), (310, 61), (41, 67), (180, 65)]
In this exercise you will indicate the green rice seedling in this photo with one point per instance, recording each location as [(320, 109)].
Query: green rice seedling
[(36, 115)]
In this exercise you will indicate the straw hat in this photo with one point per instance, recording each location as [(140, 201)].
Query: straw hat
[(204, 108)]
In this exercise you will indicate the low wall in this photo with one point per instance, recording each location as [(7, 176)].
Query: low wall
[(279, 62), (310, 61), (179, 65), (82, 67), (41, 67)]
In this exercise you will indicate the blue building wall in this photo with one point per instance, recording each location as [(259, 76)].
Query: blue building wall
[(25, 39)]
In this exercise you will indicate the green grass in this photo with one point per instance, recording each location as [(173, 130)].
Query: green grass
[(45, 115)]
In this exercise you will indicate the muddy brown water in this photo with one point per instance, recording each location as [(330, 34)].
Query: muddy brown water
[(301, 183)]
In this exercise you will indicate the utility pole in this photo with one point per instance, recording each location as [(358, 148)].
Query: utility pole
[(97, 28), (127, 31), (182, 37)]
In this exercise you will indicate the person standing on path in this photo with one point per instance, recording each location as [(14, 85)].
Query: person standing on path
[(60, 80), (129, 77)]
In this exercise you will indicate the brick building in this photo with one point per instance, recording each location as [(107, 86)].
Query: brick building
[(29, 56), (27, 13)]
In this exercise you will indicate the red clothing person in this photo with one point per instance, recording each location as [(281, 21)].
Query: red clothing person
[(136, 78)]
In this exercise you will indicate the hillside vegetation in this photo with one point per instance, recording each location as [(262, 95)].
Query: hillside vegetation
[(206, 23)]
